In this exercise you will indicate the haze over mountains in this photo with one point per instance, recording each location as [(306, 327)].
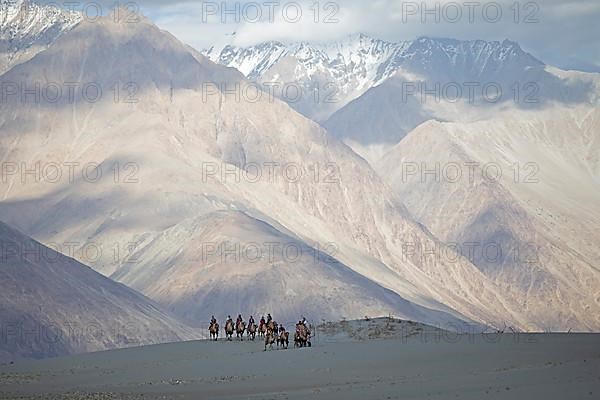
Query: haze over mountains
[(171, 149), (289, 277), (52, 305), (546, 237), (541, 214), (187, 169)]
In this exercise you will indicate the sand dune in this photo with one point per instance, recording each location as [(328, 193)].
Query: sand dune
[(411, 364)]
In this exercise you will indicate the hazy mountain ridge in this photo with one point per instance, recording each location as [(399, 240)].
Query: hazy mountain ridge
[(287, 277), (542, 218), (52, 305)]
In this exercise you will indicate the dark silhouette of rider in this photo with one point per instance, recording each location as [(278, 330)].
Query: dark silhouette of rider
[(251, 320)]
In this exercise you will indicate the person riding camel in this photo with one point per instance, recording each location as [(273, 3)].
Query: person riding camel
[(305, 325)]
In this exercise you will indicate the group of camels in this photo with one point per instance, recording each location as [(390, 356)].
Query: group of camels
[(269, 330)]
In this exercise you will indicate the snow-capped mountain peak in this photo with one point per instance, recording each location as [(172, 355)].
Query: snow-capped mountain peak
[(25, 18), (359, 62), (27, 28), (359, 51)]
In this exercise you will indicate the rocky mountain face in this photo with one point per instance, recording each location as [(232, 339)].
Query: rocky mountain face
[(236, 262), (517, 200)]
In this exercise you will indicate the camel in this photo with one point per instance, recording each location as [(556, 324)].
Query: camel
[(240, 328), (252, 331), (229, 330), (262, 329), (302, 336), (271, 326), (269, 339), (283, 339), (214, 331)]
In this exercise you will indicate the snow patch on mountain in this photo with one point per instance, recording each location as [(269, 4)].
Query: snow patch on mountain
[(27, 28), (358, 63)]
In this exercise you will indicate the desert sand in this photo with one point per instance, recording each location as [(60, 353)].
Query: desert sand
[(375, 359)]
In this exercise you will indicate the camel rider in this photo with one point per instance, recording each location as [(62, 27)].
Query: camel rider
[(306, 326)]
